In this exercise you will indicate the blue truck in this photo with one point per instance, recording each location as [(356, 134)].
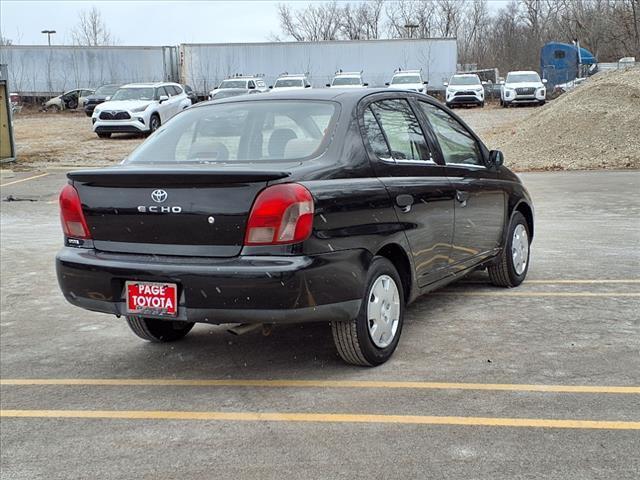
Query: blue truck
[(564, 62)]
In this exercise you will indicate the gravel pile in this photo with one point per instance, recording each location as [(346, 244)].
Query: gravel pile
[(595, 126)]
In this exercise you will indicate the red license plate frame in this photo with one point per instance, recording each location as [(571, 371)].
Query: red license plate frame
[(159, 299)]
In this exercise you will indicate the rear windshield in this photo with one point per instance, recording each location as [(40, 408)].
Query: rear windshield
[(242, 132)]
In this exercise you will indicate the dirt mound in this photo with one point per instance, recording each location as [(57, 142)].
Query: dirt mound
[(597, 125)]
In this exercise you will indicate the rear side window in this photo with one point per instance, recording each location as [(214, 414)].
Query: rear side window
[(242, 132), (375, 137), (401, 129), (457, 145)]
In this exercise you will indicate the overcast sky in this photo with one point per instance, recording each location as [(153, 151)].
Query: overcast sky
[(148, 22)]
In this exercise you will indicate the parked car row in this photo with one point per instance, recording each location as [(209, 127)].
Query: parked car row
[(520, 87)]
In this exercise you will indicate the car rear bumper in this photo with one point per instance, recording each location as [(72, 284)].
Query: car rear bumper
[(244, 289)]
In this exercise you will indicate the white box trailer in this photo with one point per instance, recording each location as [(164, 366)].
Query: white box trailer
[(203, 66), (41, 71)]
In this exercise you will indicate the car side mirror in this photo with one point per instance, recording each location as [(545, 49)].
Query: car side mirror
[(501, 82), (327, 84), (270, 87), (426, 82), (307, 86), (163, 98), (544, 80), (483, 82), (107, 98), (387, 84), (365, 84), (496, 158), (446, 84)]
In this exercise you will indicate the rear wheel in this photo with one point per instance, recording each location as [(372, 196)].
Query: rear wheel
[(158, 331), (371, 338), (511, 268)]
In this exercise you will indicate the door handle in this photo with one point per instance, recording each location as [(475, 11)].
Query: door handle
[(404, 201), (462, 197)]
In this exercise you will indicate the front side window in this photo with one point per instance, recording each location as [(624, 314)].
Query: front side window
[(160, 92), (239, 132), (457, 145), (402, 130)]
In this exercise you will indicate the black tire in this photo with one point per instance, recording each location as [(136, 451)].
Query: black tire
[(503, 273), (159, 331), (352, 338), (154, 123), (104, 135), (482, 105), (449, 105), (542, 102), (505, 105)]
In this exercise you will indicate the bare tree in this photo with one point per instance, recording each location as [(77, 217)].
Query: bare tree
[(314, 23), (361, 21), (91, 30), (4, 41)]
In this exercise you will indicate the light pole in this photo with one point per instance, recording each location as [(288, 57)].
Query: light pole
[(410, 27), (49, 33)]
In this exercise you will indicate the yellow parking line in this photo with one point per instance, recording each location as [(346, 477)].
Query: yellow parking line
[(499, 293), (565, 282), (353, 384), (24, 180), (322, 418)]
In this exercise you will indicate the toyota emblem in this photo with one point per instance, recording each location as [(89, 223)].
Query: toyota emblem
[(159, 196)]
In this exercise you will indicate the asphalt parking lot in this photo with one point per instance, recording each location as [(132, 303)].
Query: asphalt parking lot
[(542, 381)]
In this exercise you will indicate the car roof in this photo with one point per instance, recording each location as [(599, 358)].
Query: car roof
[(523, 71), (341, 95), (465, 75), (148, 85)]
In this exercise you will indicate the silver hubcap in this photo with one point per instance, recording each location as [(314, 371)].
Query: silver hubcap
[(383, 311), (520, 249)]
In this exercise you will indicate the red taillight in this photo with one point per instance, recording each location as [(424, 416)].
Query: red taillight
[(281, 214), (71, 216)]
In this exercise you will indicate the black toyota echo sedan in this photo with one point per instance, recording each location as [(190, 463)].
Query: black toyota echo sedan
[(338, 206)]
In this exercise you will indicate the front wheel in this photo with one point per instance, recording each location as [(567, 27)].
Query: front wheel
[(512, 266), (154, 123), (159, 331), (104, 135), (371, 338)]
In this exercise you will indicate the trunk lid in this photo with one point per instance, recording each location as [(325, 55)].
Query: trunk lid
[(189, 212)]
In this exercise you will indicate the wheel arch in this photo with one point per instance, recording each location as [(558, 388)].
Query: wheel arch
[(397, 255), (527, 212)]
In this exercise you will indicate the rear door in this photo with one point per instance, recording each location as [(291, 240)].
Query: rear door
[(480, 198), (423, 196)]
